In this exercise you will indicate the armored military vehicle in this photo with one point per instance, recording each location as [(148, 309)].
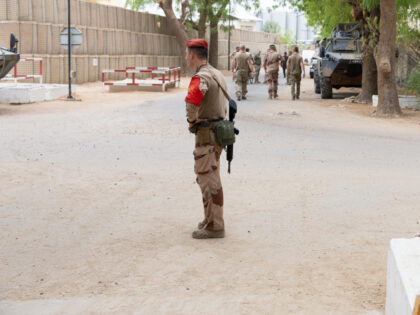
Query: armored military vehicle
[(339, 61), (8, 57)]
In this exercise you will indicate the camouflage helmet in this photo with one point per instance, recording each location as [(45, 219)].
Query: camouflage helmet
[(273, 47)]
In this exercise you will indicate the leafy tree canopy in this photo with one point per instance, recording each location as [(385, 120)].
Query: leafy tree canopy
[(271, 27)]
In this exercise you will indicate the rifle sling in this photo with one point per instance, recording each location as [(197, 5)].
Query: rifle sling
[(220, 86)]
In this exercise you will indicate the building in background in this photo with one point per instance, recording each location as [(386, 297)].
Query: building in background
[(245, 20), (291, 22)]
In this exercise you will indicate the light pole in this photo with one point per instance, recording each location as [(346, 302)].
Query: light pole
[(69, 97), (229, 39), (297, 24)]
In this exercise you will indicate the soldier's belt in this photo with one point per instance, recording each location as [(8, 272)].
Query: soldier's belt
[(203, 130)]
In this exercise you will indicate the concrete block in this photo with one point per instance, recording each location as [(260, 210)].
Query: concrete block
[(112, 17), (49, 9), (38, 10), (23, 93), (91, 37), (25, 10), (61, 17), (406, 101), (12, 10), (403, 276)]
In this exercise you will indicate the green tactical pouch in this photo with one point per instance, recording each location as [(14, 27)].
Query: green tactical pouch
[(224, 133), (203, 134)]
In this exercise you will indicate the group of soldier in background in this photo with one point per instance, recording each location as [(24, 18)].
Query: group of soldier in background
[(246, 68)]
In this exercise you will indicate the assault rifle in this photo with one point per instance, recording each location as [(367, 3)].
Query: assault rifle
[(233, 108)]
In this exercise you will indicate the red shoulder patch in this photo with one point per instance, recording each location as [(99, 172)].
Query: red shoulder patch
[(194, 95)]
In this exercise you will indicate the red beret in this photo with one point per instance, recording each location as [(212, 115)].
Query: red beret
[(197, 43)]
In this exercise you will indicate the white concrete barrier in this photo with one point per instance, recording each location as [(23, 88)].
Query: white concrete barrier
[(403, 276), (23, 93)]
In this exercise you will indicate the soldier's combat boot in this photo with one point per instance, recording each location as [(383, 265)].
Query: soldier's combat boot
[(203, 233), (276, 96), (294, 97), (202, 224), (244, 97), (297, 97), (238, 98), (270, 97)]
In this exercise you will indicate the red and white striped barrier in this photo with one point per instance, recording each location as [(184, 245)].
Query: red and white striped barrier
[(161, 76), (15, 76)]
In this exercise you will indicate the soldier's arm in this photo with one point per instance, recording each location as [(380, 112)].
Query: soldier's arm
[(251, 66), (288, 66), (233, 65), (265, 63), (196, 91)]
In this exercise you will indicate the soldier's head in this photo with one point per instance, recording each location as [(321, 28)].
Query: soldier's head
[(296, 49), (242, 47), (285, 53), (259, 52), (290, 53), (196, 53), (237, 48), (247, 49)]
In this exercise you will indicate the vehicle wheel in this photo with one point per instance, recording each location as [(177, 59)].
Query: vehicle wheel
[(326, 88), (311, 74), (316, 83)]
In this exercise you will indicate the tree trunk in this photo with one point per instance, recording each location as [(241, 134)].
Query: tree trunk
[(214, 43), (177, 28), (388, 104), (370, 73), (369, 78), (201, 26)]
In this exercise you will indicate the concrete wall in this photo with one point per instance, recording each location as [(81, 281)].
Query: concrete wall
[(116, 37)]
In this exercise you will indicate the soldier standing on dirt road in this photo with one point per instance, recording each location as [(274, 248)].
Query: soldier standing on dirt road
[(232, 55), (284, 63), (271, 67), (257, 66), (206, 104), (295, 67), (241, 64)]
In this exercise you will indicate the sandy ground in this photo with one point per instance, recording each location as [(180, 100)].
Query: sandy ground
[(98, 201)]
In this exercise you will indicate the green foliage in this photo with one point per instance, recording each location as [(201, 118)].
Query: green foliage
[(288, 38), (271, 27), (370, 4), (323, 14), (413, 82), (408, 13)]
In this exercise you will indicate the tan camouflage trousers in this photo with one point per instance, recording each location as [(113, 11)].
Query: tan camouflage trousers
[(241, 80), (207, 169), (272, 81), (295, 82)]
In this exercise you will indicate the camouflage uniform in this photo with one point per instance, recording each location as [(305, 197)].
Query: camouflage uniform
[(205, 102), (232, 56), (257, 67), (295, 70), (271, 66), (241, 77)]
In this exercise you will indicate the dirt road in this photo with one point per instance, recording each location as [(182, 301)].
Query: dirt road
[(98, 201)]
